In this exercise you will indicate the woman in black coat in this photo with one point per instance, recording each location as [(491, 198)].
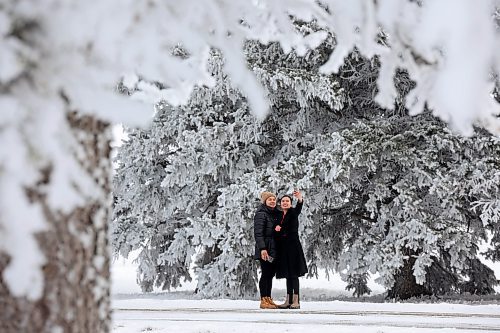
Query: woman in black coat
[(265, 246), (291, 263)]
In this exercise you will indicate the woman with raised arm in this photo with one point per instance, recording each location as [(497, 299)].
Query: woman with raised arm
[(265, 247), (291, 263)]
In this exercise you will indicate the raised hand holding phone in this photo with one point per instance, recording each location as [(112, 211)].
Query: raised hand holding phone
[(298, 195)]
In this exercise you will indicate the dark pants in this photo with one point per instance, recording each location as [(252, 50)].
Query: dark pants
[(266, 278), (292, 286)]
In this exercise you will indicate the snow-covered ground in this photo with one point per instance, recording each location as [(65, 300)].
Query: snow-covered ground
[(160, 312), (204, 316)]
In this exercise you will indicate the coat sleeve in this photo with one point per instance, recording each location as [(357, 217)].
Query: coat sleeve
[(298, 207), (259, 225)]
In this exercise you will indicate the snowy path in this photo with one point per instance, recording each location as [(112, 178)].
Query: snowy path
[(206, 316)]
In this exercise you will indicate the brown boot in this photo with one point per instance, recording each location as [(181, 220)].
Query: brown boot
[(270, 301), (295, 302), (287, 303), (264, 304)]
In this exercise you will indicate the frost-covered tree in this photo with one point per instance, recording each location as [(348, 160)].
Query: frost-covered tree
[(410, 194), (342, 154), (188, 183)]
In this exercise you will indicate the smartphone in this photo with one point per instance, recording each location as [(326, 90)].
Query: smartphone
[(270, 259)]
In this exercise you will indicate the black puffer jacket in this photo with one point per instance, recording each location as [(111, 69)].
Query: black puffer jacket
[(263, 230)]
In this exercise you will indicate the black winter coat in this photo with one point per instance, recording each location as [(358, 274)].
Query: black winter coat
[(263, 223), (291, 260)]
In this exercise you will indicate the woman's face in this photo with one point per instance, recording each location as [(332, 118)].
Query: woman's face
[(271, 202), (286, 203)]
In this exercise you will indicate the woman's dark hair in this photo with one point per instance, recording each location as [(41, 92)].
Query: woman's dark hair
[(286, 196)]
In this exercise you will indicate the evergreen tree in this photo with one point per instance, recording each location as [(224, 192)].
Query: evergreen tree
[(410, 191), (195, 185), (359, 283), (382, 188)]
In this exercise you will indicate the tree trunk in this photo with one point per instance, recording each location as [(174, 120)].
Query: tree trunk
[(405, 285), (76, 275)]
